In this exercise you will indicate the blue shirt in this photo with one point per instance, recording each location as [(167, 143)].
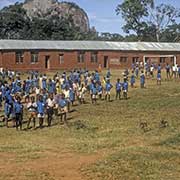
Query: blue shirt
[(118, 86), (40, 107), (96, 76), (18, 107), (62, 103), (159, 68), (44, 86), (142, 79), (125, 86), (71, 95), (50, 87), (158, 75), (94, 90), (132, 79), (100, 88), (108, 86), (7, 108)]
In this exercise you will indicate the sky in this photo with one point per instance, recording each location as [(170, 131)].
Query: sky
[(101, 13)]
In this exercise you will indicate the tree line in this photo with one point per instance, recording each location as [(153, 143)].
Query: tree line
[(143, 22)]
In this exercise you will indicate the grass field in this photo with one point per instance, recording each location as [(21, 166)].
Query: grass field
[(103, 141)]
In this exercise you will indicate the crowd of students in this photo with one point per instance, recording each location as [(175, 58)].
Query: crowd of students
[(43, 97)]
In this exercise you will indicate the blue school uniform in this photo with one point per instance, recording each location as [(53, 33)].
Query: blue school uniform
[(132, 79), (159, 76), (125, 86), (44, 98), (91, 87), (41, 107), (108, 87), (7, 109), (62, 103), (27, 86), (18, 89), (36, 82), (18, 108), (159, 69), (137, 71), (3, 89), (13, 84), (96, 77), (8, 96), (179, 70), (118, 86), (50, 87), (99, 88), (54, 85), (44, 85), (142, 79), (71, 95), (94, 90)]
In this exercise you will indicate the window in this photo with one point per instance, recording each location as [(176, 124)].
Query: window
[(162, 59), (61, 58), (94, 57), (34, 57), (81, 57), (19, 57), (135, 59), (123, 59)]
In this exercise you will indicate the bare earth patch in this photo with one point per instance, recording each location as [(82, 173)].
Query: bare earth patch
[(62, 165)]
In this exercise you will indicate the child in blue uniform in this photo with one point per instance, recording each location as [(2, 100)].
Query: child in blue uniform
[(18, 108), (41, 110), (7, 111), (63, 108), (142, 79), (168, 69), (158, 78), (108, 88), (118, 89), (72, 96), (132, 79), (125, 89)]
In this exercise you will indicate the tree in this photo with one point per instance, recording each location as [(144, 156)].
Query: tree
[(146, 19), (13, 22), (172, 33), (162, 17), (134, 13)]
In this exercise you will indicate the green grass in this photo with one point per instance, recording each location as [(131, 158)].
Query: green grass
[(113, 130)]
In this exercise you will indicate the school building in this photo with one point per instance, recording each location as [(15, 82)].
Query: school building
[(25, 55)]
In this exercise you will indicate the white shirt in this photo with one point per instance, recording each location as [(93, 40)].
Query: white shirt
[(50, 103), (66, 93), (32, 106), (174, 68)]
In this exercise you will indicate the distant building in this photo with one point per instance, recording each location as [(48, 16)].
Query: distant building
[(55, 55)]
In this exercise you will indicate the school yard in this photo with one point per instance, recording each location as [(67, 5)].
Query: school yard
[(105, 141)]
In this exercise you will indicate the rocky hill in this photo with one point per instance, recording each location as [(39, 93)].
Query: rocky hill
[(46, 8)]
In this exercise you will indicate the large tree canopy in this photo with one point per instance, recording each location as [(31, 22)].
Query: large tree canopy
[(147, 20)]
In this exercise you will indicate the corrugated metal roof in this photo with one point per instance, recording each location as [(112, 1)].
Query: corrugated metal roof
[(87, 45)]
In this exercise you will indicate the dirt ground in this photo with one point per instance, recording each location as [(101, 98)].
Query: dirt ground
[(51, 166)]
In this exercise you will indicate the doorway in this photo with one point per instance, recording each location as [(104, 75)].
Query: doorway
[(47, 58), (105, 61)]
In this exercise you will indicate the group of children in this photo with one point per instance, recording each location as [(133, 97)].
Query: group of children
[(41, 97)]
